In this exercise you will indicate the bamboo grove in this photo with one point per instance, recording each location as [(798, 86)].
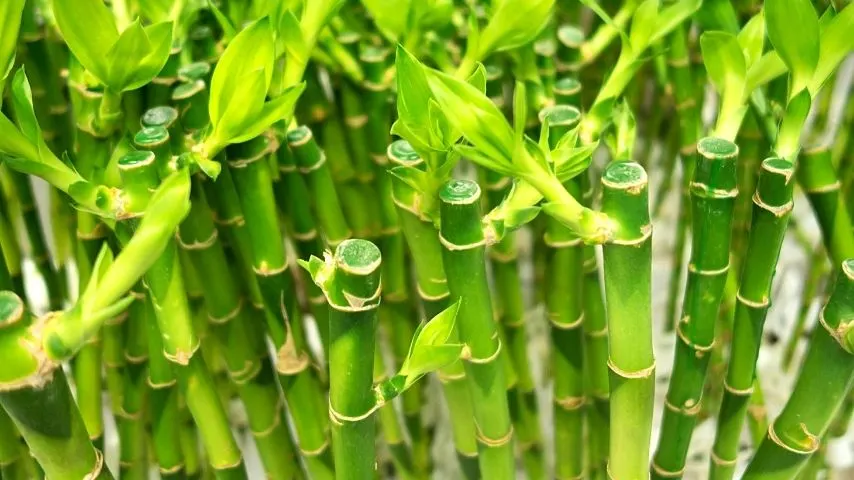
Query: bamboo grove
[(328, 239)]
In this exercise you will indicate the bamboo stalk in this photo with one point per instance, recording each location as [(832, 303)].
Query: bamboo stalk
[(772, 206), (822, 385), (463, 257), (627, 263), (713, 191)]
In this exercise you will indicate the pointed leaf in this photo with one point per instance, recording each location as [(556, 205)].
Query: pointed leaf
[(724, 61), (793, 30), (643, 25), (478, 78), (228, 30), (751, 38), (22, 102), (672, 16), (476, 156), (10, 18), (88, 27), (280, 108), (837, 41), (513, 23), (251, 50)]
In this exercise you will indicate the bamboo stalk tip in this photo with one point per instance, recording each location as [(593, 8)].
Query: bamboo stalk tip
[(188, 90), (194, 71), (11, 308), (717, 148), (567, 86), (150, 137), (629, 176), (358, 256), (299, 135), (460, 192), (136, 159), (402, 153), (560, 115), (570, 36), (159, 116)]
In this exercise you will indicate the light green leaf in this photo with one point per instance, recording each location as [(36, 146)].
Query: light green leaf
[(837, 41), (228, 30), (289, 39), (672, 16), (242, 107), (138, 55), (478, 78), (390, 16), (280, 108), (570, 162), (10, 19), (470, 112), (793, 30), (724, 61), (22, 103), (413, 98), (476, 156), (513, 23), (89, 30), (520, 112), (751, 38), (251, 50), (430, 348), (643, 25), (767, 68)]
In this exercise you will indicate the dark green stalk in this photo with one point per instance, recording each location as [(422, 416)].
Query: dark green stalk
[(312, 163), (391, 428), (772, 206), (423, 241), (353, 295), (14, 454), (133, 445), (11, 254), (35, 394), (628, 265), (822, 385), (242, 340), (463, 257), (818, 179), (713, 191), (247, 163), (165, 424)]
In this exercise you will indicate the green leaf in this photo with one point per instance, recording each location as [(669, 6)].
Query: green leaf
[(643, 25), (290, 40), (478, 78), (280, 108), (836, 43), (476, 156), (520, 112), (513, 23), (431, 348), (793, 30), (10, 18), (89, 30), (767, 68), (413, 98), (242, 106), (138, 55), (251, 50), (390, 16), (22, 104), (228, 30), (672, 16), (751, 38), (470, 112), (724, 61)]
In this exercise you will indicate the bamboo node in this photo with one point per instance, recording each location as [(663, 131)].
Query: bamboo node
[(357, 121), (450, 377), (838, 333), (181, 357), (831, 187), (723, 462), (228, 316), (198, 244), (467, 355), (359, 304), (646, 233), (667, 473), (315, 166), (265, 270), (249, 371), (45, 367), (118, 319), (96, 469), (700, 350), (777, 211), (277, 420), (340, 419), (642, 373), (740, 392), (602, 332), (751, 303), (570, 403), (717, 193), (689, 409), (553, 318), (573, 242), (812, 440), (161, 385), (493, 442), (431, 298), (315, 452), (454, 247), (707, 273), (227, 466), (173, 469), (503, 257)]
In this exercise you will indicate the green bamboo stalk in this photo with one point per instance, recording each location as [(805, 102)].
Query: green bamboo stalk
[(242, 340), (432, 285), (817, 269), (35, 394), (463, 257), (172, 313), (133, 462), (291, 192), (327, 207), (627, 264), (247, 163), (11, 254), (818, 179), (821, 387), (772, 206), (14, 454), (564, 310), (353, 295), (713, 191), (391, 428)]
